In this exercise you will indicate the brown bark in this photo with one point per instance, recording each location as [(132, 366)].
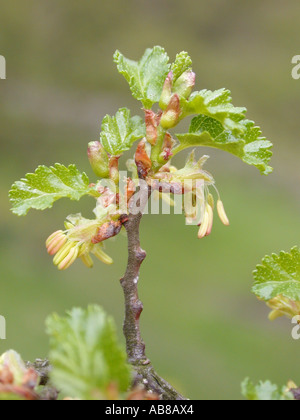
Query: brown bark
[(144, 372)]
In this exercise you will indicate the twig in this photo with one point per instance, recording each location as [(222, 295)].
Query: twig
[(144, 372)]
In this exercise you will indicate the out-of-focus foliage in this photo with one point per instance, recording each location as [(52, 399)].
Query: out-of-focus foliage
[(17, 382), (52, 104), (86, 356), (265, 391)]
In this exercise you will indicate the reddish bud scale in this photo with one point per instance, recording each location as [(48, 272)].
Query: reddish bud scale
[(167, 147), (114, 169), (142, 160), (130, 189), (152, 122), (106, 231)]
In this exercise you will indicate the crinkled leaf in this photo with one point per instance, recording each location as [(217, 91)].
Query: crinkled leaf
[(147, 76), (183, 62), (41, 189), (265, 391), (86, 355), (249, 145), (121, 131), (279, 275), (215, 104)]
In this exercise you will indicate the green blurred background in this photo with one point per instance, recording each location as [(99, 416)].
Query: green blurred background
[(204, 330)]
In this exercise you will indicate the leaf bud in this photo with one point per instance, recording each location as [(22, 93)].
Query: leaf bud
[(166, 92), (184, 84), (98, 159), (170, 117)]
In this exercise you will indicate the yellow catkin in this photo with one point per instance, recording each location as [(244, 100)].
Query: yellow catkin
[(210, 219), (51, 237), (102, 256), (56, 244), (222, 213), (63, 252), (70, 258), (87, 260), (204, 226)]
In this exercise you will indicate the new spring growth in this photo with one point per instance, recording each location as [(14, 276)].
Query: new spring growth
[(152, 121), (184, 85), (166, 92), (171, 94), (222, 214), (283, 306), (194, 182), (82, 238), (170, 117), (208, 217), (142, 159), (16, 378), (98, 159)]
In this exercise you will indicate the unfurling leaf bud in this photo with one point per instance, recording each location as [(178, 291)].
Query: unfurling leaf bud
[(222, 214), (98, 159), (142, 160), (130, 189), (170, 117), (17, 382), (184, 84), (167, 92), (152, 121), (114, 169)]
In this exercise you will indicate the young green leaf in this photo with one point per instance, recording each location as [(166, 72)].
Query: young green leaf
[(217, 105), (147, 76), (265, 391), (248, 145), (278, 275), (41, 189), (183, 62), (85, 354), (121, 131)]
